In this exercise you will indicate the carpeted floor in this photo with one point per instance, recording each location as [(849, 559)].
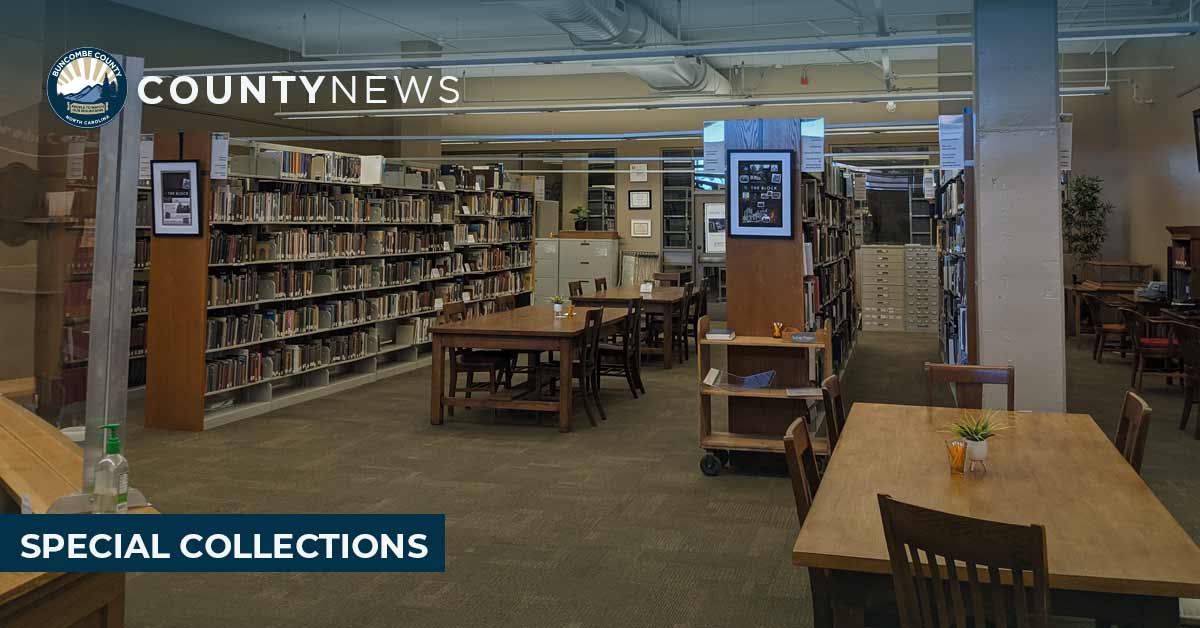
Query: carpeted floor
[(608, 526)]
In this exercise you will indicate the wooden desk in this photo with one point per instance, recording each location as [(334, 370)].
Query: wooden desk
[(1114, 549), (532, 328), (662, 300), (1149, 307), (38, 461)]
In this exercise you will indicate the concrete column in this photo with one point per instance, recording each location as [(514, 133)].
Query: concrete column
[(1019, 285)]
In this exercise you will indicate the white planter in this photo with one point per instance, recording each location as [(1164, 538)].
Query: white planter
[(977, 450), (558, 309)]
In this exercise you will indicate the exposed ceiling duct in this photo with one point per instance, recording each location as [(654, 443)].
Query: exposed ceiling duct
[(599, 24)]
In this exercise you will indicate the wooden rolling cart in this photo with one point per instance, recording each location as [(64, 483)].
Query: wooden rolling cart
[(717, 445)]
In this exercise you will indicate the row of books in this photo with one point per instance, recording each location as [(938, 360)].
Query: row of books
[(141, 298), (247, 366), (270, 324), (319, 167), (284, 245), (477, 260), (393, 240), (141, 253), (828, 243), (494, 285), (232, 203), (495, 204)]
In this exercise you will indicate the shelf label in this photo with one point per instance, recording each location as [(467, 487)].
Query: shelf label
[(950, 142), (145, 155), (436, 217), (219, 166), (438, 304), (812, 145)]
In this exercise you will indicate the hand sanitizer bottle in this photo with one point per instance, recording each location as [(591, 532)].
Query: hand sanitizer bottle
[(112, 476)]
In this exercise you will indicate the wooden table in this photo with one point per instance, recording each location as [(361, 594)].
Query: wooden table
[(1114, 549), (1106, 291), (1149, 307), (533, 328), (36, 460), (660, 300)]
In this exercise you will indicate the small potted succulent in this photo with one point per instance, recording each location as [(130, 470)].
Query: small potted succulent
[(581, 217), (560, 302), (975, 430)]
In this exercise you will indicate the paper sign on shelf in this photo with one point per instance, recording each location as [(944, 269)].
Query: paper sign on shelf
[(638, 173), (441, 185), (145, 155), (812, 145), (539, 188), (75, 152), (436, 217), (929, 185), (219, 165), (950, 141), (714, 147), (714, 227), (438, 303), (1065, 128)]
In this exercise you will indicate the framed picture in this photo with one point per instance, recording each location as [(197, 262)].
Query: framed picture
[(759, 193), (1196, 130), (175, 188), (639, 199), (640, 228)]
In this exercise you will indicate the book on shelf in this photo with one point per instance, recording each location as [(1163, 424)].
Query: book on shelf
[(720, 333)]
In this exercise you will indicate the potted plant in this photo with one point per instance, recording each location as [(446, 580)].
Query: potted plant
[(559, 302), (581, 217), (1084, 218), (975, 430)]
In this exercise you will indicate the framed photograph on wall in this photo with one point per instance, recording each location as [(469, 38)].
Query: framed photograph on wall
[(640, 229), (175, 188), (1196, 131), (759, 193), (640, 199)]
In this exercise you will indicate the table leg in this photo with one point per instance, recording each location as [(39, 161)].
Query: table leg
[(669, 336), (438, 387), (565, 386)]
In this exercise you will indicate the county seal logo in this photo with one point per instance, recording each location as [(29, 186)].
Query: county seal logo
[(86, 87)]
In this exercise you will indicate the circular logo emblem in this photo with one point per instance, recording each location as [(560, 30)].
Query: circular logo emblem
[(86, 87)]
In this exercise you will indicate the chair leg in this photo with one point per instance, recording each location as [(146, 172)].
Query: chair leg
[(1139, 373), (470, 382), (492, 381), (637, 373), (596, 394), (583, 397), (453, 383), (1098, 350), (629, 376), (1134, 370)]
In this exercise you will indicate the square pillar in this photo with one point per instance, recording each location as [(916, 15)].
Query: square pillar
[(1019, 285)]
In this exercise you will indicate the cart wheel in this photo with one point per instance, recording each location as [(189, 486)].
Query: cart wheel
[(710, 465), (724, 456)]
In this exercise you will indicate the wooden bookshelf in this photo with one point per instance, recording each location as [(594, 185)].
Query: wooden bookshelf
[(955, 209), (307, 281)]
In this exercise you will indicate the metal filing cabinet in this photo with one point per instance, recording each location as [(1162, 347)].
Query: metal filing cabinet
[(921, 296), (561, 261)]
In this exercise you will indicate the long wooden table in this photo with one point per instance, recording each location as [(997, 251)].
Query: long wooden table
[(1114, 550), (532, 328), (662, 301)]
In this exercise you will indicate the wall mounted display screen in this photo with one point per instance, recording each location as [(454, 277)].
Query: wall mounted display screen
[(760, 193), (175, 188)]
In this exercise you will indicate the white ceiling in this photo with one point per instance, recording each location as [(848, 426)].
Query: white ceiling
[(384, 26)]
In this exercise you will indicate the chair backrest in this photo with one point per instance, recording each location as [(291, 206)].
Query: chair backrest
[(668, 279), (1189, 346), (835, 409), (966, 382), (631, 334), (802, 466), (576, 288), (688, 303), (1095, 308), (505, 303), (601, 283), (922, 592), (1130, 438), (452, 312), (1135, 324), (702, 301), (591, 336)]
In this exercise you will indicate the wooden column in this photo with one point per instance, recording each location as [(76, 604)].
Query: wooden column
[(765, 283), (178, 297)]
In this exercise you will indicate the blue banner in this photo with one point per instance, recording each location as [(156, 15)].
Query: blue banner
[(280, 543)]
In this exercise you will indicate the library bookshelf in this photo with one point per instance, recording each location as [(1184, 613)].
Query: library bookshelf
[(313, 276)]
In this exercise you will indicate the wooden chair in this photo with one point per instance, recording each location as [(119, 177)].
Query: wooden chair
[(1149, 346), (802, 467), (1095, 307), (601, 283), (679, 326), (622, 357), (966, 382), (945, 596), (835, 409), (698, 311), (575, 288), (584, 367), (471, 361), (1130, 438), (506, 303), (1189, 351), (670, 280)]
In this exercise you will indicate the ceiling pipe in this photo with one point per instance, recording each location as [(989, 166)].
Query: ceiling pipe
[(1132, 68), (662, 104)]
